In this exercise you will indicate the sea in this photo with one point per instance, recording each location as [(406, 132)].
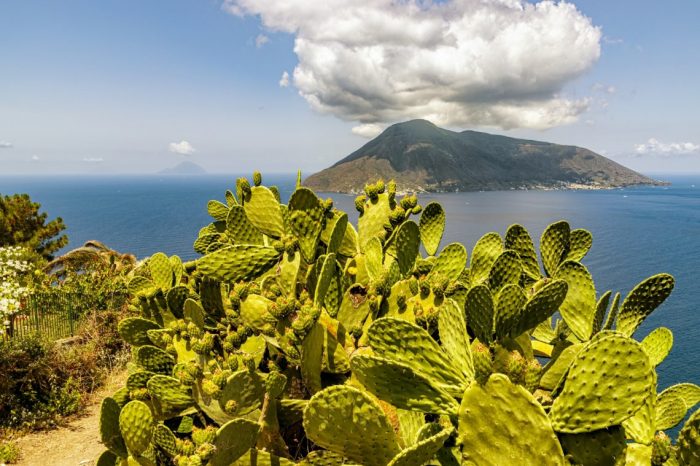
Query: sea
[(637, 231)]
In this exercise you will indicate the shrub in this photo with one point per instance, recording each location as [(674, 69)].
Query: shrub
[(9, 453), (41, 382), (298, 337)]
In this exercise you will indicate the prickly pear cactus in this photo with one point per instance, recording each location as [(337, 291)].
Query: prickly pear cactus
[(297, 337)]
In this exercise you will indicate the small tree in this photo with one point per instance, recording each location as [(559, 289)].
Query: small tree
[(21, 224)]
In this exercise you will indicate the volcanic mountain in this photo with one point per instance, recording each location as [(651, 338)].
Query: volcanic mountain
[(420, 156)]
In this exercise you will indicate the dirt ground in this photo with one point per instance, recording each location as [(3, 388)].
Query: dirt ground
[(75, 443)]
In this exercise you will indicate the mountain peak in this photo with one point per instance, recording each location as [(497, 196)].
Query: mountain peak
[(421, 156), (184, 168)]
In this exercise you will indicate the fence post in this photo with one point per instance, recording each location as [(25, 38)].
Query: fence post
[(68, 298), (36, 313)]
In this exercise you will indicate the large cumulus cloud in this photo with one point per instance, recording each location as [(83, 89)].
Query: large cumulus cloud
[(497, 63)]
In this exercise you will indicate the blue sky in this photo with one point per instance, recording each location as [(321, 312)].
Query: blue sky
[(133, 87)]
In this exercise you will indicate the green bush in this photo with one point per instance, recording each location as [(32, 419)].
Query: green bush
[(41, 382), (297, 338), (9, 453)]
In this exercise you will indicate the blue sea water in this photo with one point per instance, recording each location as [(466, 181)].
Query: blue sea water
[(637, 231)]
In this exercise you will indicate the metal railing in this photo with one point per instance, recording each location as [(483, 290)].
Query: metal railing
[(54, 315)]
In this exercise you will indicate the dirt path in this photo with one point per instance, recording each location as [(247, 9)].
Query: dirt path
[(76, 443)]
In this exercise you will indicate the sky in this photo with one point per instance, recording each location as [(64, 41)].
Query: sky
[(133, 87)]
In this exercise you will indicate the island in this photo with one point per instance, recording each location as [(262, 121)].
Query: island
[(423, 157)]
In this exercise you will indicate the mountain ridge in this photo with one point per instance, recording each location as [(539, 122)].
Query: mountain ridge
[(421, 156)]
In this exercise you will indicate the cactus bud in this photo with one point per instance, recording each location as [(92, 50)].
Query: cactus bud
[(249, 363), (483, 362), (206, 451), (211, 389), (356, 331), (185, 447), (661, 449), (380, 186), (257, 178), (232, 363), (231, 407), (275, 383), (201, 436), (391, 189), (416, 210)]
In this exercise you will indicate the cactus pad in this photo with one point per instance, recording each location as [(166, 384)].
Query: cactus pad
[(238, 262), (154, 359), (480, 312), (689, 441), (407, 246), (670, 410), (518, 239), (134, 330), (161, 271), (432, 226), (454, 338), (306, 220), (658, 344), (450, 262), (538, 308), (579, 307), (217, 210), (246, 389), (171, 396), (263, 211), (423, 451), (240, 229), (606, 447), (136, 426), (506, 270), (642, 300), (110, 435), (349, 422), (484, 254), (233, 440), (606, 384), (494, 431), (580, 242), (399, 340), (401, 385), (553, 245)]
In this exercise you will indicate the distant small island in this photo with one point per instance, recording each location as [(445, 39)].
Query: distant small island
[(421, 157), (184, 168)]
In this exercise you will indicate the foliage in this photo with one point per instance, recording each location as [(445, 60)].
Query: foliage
[(41, 382), (298, 338), (21, 224), (9, 453), (15, 278), (93, 270)]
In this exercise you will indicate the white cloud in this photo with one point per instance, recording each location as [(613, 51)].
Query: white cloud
[(35, 158), (368, 130), (284, 80), (182, 148), (458, 63), (5, 145), (93, 159), (261, 40), (655, 147)]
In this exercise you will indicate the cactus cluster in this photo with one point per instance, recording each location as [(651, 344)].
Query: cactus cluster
[(298, 339)]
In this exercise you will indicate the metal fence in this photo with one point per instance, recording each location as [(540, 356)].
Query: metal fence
[(55, 314)]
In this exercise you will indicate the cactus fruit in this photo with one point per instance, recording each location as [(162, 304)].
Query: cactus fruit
[(298, 339)]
